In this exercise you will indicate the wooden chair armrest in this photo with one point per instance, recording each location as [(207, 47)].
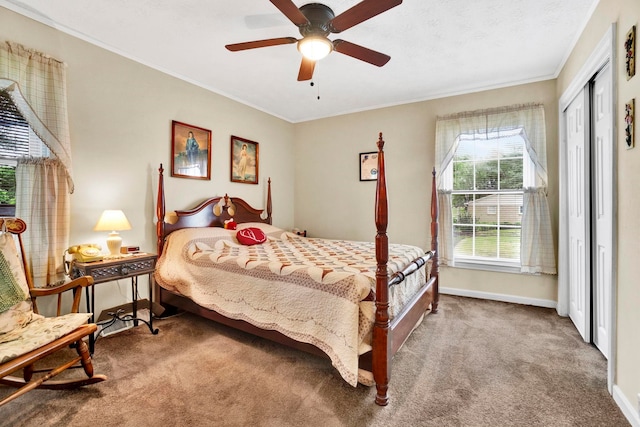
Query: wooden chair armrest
[(80, 282), (75, 285)]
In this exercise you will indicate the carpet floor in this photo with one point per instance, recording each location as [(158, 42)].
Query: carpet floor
[(475, 363)]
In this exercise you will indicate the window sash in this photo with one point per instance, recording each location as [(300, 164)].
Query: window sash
[(528, 174)]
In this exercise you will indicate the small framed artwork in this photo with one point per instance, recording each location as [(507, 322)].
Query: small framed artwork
[(630, 53), (369, 166), (629, 125), (190, 151), (245, 160)]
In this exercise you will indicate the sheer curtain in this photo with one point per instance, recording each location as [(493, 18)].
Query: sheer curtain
[(37, 86), (537, 250)]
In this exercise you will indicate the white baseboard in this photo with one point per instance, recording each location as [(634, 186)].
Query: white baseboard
[(499, 297), (627, 408)]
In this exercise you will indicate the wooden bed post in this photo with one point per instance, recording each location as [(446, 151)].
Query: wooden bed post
[(160, 212), (269, 200), (381, 357), (435, 268)]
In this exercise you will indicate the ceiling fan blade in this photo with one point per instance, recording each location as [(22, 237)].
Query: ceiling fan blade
[(362, 11), (362, 53), (261, 43), (306, 69), (291, 11)]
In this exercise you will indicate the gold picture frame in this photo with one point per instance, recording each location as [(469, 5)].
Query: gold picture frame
[(190, 151), (245, 160)]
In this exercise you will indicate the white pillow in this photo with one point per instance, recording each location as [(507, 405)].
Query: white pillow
[(266, 228), (186, 234)]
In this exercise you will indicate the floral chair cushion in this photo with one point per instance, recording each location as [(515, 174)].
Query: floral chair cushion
[(39, 332)]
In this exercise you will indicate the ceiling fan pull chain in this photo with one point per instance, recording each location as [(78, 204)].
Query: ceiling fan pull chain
[(312, 84)]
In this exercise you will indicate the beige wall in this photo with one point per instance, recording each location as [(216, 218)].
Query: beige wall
[(330, 200), (120, 115), (625, 13)]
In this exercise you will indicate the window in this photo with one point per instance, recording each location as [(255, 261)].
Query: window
[(492, 190), (16, 140), (487, 196)]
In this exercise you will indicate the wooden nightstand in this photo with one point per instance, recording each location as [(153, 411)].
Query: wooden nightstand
[(112, 269)]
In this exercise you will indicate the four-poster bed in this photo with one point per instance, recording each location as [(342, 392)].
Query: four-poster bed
[(303, 285)]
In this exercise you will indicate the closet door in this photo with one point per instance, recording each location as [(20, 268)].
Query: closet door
[(602, 209), (577, 120)]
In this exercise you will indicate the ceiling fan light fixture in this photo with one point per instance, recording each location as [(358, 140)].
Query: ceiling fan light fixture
[(315, 48)]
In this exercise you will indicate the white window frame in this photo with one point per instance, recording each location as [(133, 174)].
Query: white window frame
[(528, 172)]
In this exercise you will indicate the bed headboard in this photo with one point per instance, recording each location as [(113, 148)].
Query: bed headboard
[(205, 214)]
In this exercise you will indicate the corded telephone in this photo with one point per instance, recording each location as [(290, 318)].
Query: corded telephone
[(87, 252)]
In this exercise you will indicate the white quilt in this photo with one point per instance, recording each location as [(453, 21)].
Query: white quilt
[(311, 290)]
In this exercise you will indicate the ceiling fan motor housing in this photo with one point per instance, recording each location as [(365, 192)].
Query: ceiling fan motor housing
[(319, 17)]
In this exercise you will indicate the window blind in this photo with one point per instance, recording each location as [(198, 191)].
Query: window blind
[(14, 131)]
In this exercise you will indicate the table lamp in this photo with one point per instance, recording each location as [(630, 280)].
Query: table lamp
[(114, 221)]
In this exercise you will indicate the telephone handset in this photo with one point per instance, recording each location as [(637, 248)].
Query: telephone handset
[(86, 253)]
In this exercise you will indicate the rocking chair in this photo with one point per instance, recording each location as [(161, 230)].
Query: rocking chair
[(26, 337)]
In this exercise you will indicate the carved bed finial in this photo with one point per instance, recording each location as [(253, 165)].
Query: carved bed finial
[(380, 142)]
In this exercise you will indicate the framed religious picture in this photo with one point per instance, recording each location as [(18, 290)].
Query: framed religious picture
[(190, 151), (244, 160), (369, 166)]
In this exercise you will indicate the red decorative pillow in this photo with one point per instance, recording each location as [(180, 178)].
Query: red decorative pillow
[(251, 236)]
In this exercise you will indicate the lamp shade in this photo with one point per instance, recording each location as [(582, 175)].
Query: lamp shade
[(314, 47), (113, 220)]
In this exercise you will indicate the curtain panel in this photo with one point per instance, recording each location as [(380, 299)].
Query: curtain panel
[(537, 250), (43, 200), (37, 86)]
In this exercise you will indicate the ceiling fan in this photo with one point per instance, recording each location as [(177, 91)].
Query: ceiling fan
[(315, 22)]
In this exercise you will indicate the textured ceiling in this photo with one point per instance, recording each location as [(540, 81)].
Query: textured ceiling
[(437, 47)]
